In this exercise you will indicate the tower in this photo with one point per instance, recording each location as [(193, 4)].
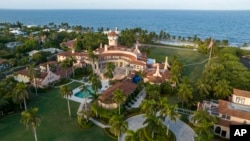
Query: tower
[(113, 37)]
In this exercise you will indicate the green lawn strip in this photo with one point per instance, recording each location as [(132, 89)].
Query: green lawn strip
[(56, 124), (186, 57)]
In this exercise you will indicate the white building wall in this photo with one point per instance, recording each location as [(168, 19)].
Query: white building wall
[(241, 100)]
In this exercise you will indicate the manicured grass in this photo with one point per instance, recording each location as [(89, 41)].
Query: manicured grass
[(185, 56), (56, 124)]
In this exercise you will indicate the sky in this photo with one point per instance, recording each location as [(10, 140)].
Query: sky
[(128, 4)]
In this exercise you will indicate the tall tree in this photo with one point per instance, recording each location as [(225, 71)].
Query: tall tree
[(32, 75), (66, 92), (20, 94), (203, 87), (222, 89), (95, 82), (118, 125), (29, 118), (148, 106), (154, 123), (109, 69), (86, 91), (119, 97), (132, 136), (185, 92)]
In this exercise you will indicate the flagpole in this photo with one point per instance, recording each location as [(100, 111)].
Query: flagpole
[(211, 46), (210, 54)]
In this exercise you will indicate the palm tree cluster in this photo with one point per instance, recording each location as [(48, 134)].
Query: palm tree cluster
[(176, 71), (203, 123), (12, 91)]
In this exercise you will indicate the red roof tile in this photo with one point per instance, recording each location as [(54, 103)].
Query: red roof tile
[(241, 93)]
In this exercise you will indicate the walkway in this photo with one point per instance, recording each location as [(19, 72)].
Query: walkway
[(140, 97), (182, 131), (99, 123)]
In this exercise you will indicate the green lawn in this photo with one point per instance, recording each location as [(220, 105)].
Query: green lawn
[(55, 125), (185, 56)]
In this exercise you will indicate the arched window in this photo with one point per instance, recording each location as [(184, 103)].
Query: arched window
[(217, 130)]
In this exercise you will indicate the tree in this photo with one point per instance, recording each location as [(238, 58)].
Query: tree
[(119, 97), (95, 82), (169, 111), (33, 74), (86, 91), (203, 123), (118, 125), (109, 69), (153, 91), (65, 64), (20, 94), (222, 89), (153, 123), (148, 106), (29, 118), (66, 92), (203, 87), (185, 92), (132, 136)]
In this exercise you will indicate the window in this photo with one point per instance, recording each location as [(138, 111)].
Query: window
[(240, 100), (217, 130), (223, 133)]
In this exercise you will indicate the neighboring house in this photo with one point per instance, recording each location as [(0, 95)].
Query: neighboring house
[(4, 64), (51, 50), (13, 44), (46, 75), (236, 111), (106, 98), (68, 44)]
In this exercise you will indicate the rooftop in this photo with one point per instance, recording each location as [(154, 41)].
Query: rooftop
[(241, 93)]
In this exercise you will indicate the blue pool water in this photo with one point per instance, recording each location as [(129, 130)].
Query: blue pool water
[(82, 94)]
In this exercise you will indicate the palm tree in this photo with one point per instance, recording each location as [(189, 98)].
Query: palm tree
[(119, 97), (203, 87), (222, 89), (153, 91), (86, 91), (72, 62), (185, 92), (169, 111), (132, 136), (203, 123), (118, 125), (65, 64), (33, 74), (153, 123), (66, 92), (20, 94), (109, 69), (148, 106), (95, 82), (92, 57), (29, 118)]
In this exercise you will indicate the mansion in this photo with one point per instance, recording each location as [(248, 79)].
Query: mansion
[(235, 111)]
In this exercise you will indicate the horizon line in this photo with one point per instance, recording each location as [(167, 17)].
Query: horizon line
[(125, 9)]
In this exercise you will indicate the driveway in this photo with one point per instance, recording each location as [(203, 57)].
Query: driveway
[(181, 130)]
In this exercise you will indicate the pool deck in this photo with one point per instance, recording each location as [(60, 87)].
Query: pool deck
[(105, 85)]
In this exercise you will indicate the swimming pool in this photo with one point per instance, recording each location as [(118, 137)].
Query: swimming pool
[(81, 94)]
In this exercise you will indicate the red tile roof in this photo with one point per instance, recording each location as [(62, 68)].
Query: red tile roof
[(112, 33), (224, 109), (49, 63), (69, 44), (241, 93), (126, 86)]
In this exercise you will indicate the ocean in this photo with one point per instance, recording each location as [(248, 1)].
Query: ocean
[(230, 25)]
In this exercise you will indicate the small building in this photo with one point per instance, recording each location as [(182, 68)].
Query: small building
[(13, 44), (68, 44), (106, 98), (235, 111)]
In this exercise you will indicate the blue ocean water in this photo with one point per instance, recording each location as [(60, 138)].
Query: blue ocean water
[(231, 25)]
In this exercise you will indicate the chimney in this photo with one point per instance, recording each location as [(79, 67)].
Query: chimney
[(166, 64), (100, 45), (157, 72), (48, 69), (105, 47)]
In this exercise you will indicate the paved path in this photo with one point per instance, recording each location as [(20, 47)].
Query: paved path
[(99, 123), (139, 99), (182, 131)]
